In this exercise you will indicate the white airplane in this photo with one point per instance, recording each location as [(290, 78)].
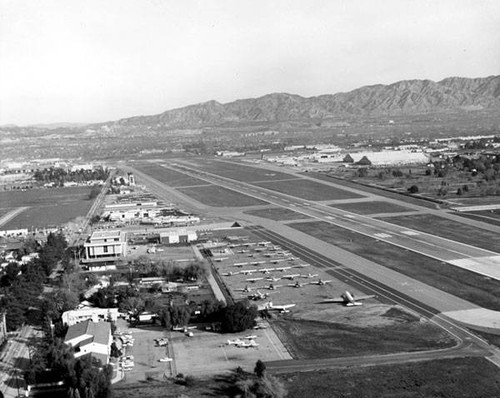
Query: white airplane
[(348, 299), (281, 308), (301, 265), (291, 258), (290, 276), (166, 359), (242, 251), (320, 282), (252, 337), (248, 244), (264, 243), (248, 271), (270, 287), (257, 262), (273, 279), (220, 259), (309, 276), (234, 342), (250, 344), (266, 270), (283, 269), (258, 296), (297, 284), (277, 260), (230, 273), (239, 264), (252, 280)]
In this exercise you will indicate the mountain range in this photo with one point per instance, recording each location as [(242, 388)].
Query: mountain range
[(403, 97)]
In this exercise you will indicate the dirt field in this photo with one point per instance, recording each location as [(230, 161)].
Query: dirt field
[(447, 378), (48, 207)]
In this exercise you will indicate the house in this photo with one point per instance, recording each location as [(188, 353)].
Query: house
[(105, 246), (92, 338)]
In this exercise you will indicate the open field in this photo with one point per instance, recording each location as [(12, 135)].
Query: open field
[(278, 214), (239, 171), (450, 229), (470, 286), (487, 216), (167, 176), (308, 190), (447, 378), (307, 339), (48, 207), (373, 189), (372, 207), (213, 195)]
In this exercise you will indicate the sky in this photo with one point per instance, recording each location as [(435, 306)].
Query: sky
[(99, 60)]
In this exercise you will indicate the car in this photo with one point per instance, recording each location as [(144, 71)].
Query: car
[(166, 359)]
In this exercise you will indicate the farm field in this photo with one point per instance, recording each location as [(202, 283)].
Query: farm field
[(239, 171), (332, 340), (470, 286), (212, 195), (47, 207), (167, 176), (277, 214), (308, 190), (446, 378), (450, 229), (372, 207)]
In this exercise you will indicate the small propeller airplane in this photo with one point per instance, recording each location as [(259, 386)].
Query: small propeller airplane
[(320, 282), (290, 276), (297, 284), (281, 308), (309, 276), (253, 280), (348, 299)]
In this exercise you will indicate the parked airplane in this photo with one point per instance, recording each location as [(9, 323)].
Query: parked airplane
[(297, 284), (245, 289), (264, 243), (258, 296), (242, 251), (283, 269), (248, 271), (234, 342), (309, 276), (281, 308), (301, 265), (273, 279), (320, 282), (271, 287), (266, 270), (277, 260), (250, 344), (230, 273), (257, 262), (252, 337), (348, 299), (239, 264), (290, 276), (254, 279), (220, 259), (166, 359)]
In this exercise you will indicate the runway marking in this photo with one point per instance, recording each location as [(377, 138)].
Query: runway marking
[(410, 233), (382, 235), (488, 266), (349, 216)]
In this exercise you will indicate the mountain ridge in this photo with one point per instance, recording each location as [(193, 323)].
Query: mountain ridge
[(405, 96)]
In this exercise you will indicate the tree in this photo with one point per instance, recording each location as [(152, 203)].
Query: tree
[(413, 189), (238, 317), (259, 369), (94, 192)]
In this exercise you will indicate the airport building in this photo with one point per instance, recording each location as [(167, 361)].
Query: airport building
[(105, 246), (92, 338)]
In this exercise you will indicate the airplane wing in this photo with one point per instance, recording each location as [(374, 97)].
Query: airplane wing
[(334, 300), (357, 298)]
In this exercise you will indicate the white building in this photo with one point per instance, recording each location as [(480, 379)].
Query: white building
[(90, 338), (105, 246), (73, 317)]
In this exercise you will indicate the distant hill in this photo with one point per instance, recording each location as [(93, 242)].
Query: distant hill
[(404, 97)]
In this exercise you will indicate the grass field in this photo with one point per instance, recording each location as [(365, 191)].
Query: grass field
[(277, 214), (450, 229), (484, 216), (240, 172), (457, 281), (308, 190), (447, 378), (213, 195), (372, 207), (47, 206), (307, 339), (167, 176)]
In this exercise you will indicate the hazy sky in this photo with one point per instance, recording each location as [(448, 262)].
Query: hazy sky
[(99, 60)]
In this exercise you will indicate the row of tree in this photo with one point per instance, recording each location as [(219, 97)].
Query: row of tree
[(59, 176)]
